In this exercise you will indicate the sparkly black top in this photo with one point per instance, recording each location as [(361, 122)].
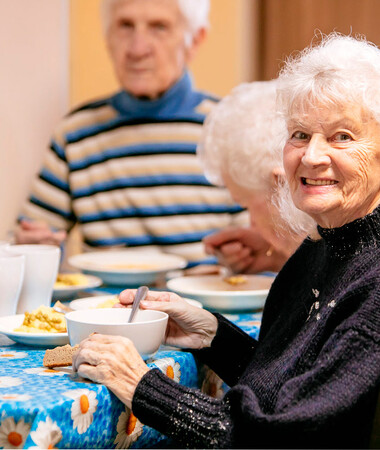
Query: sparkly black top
[(312, 378)]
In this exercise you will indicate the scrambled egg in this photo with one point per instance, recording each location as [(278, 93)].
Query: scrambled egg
[(236, 279), (43, 320), (70, 279), (108, 303)]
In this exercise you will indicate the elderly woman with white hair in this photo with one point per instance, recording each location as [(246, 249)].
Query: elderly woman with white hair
[(312, 378), (240, 148)]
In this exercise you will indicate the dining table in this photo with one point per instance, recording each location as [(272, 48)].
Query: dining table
[(54, 408)]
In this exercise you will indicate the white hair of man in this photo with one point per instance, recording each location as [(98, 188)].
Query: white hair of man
[(340, 71), (195, 13)]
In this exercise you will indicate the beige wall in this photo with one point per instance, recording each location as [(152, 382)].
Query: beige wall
[(223, 61), (34, 93)]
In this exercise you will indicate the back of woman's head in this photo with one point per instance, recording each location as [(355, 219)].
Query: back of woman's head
[(340, 70), (242, 136)]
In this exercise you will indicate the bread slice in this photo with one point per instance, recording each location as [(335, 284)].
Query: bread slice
[(59, 356)]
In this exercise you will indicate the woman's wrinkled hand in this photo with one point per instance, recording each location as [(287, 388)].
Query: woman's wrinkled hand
[(188, 325), (112, 361), (245, 250)]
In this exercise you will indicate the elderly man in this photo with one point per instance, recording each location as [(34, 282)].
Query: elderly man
[(124, 168)]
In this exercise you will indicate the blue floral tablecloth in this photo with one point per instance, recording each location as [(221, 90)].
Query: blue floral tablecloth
[(42, 408)]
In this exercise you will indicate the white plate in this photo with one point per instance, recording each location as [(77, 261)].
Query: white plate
[(126, 267), (93, 302), (216, 294), (68, 292), (9, 323)]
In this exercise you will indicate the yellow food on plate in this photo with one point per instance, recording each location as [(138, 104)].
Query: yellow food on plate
[(70, 279), (136, 266), (108, 303), (43, 320), (236, 279)]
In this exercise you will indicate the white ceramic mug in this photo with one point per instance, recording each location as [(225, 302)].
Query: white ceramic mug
[(11, 278), (41, 269), (4, 245)]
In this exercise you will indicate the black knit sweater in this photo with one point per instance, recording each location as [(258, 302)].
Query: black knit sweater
[(311, 381)]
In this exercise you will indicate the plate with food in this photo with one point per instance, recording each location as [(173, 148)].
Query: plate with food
[(107, 301), (215, 292), (126, 267), (42, 327), (67, 285)]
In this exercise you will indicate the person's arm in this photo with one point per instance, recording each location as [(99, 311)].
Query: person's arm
[(47, 214), (311, 408)]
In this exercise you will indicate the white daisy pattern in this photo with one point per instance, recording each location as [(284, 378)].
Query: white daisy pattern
[(47, 435), (169, 367), (6, 355), (129, 429), (83, 408), (6, 382), (44, 371), (15, 397), (12, 434)]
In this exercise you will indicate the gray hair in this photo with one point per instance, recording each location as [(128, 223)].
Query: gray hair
[(341, 70), (243, 135), (195, 13)]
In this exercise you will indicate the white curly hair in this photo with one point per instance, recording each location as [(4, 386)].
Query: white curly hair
[(243, 135), (339, 71)]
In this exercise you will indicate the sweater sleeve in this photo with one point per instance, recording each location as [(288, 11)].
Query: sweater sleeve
[(312, 407), (229, 344), (50, 198)]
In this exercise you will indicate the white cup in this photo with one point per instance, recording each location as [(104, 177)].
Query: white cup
[(41, 269), (11, 278), (4, 245)]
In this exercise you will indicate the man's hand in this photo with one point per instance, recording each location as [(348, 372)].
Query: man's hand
[(34, 232)]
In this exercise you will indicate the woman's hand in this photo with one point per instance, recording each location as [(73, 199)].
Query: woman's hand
[(188, 326), (245, 250), (112, 361)]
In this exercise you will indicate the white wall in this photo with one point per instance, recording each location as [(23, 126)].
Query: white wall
[(34, 92)]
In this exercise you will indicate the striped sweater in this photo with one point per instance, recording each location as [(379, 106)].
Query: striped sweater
[(125, 169)]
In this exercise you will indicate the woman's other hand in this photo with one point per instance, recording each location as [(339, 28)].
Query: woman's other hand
[(112, 361), (188, 325), (245, 250)]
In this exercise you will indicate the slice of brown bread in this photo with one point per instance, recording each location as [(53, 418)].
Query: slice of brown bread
[(59, 356)]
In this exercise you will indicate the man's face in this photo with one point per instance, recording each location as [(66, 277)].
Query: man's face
[(146, 40)]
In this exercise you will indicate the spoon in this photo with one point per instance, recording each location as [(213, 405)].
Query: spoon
[(228, 272), (140, 295)]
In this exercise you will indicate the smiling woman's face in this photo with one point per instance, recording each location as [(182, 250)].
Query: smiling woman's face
[(332, 163)]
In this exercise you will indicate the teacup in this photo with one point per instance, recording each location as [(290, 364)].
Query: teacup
[(41, 269), (11, 278)]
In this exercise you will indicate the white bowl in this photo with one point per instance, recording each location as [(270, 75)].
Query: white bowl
[(126, 267), (93, 302), (217, 295), (147, 330)]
